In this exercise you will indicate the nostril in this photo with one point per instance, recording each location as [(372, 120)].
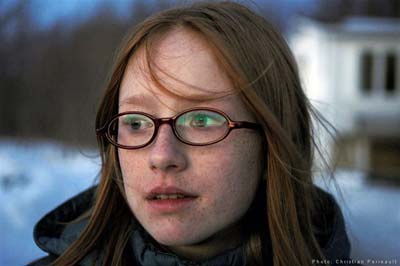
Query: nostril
[(163, 166)]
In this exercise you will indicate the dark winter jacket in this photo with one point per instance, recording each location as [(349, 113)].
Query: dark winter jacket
[(54, 237)]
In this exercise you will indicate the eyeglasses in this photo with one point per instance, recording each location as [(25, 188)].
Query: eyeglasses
[(197, 127)]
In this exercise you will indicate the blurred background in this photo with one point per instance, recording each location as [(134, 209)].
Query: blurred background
[(54, 60)]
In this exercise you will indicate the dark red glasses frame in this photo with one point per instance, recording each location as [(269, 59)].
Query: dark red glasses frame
[(107, 131)]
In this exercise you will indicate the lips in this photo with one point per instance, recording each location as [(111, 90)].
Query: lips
[(170, 200), (168, 196), (168, 193)]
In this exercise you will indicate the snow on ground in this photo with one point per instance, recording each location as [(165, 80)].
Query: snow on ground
[(36, 177)]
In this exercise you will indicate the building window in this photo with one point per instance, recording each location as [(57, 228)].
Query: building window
[(390, 75), (366, 72)]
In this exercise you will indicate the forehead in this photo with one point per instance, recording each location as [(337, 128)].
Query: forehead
[(182, 63)]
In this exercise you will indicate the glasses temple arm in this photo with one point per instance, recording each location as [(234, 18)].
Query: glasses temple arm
[(245, 124), (101, 131)]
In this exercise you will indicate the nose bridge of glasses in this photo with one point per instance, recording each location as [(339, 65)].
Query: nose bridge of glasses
[(165, 120)]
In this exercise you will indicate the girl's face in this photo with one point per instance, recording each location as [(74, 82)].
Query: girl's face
[(218, 180)]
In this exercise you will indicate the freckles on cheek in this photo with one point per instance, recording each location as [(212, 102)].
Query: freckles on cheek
[(132, 176), (131, 166), (240, 168)]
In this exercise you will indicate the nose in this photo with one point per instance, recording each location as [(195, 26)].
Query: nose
[(167, 152)]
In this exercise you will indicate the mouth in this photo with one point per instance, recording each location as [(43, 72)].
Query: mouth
[(169, 197), (169, 193), (168, 200)]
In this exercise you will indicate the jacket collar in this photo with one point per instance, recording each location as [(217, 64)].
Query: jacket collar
[(52, 234), (147, 254), (330, 230)]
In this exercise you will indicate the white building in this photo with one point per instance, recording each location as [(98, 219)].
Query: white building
[(351, 72)]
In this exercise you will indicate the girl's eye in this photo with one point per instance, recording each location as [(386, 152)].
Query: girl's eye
[(203, 119), (137, 122)]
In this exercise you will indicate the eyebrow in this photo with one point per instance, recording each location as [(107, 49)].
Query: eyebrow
[(140, 99), (149, 101)]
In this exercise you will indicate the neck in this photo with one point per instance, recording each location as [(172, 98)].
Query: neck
[(211, 246)]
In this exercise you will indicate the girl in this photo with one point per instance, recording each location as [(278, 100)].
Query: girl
[(206, 143)]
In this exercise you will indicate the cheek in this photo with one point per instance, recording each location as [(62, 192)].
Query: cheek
[(232, 174), (131, 163), (132, 169), (240, 159)]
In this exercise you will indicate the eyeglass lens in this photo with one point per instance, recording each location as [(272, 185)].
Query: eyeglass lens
[(201, 126), (196, 126)]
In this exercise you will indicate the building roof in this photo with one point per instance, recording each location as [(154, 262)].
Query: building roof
[(369, 25), (356, 25)]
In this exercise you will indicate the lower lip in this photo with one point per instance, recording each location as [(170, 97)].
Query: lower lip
[(171, 205)]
